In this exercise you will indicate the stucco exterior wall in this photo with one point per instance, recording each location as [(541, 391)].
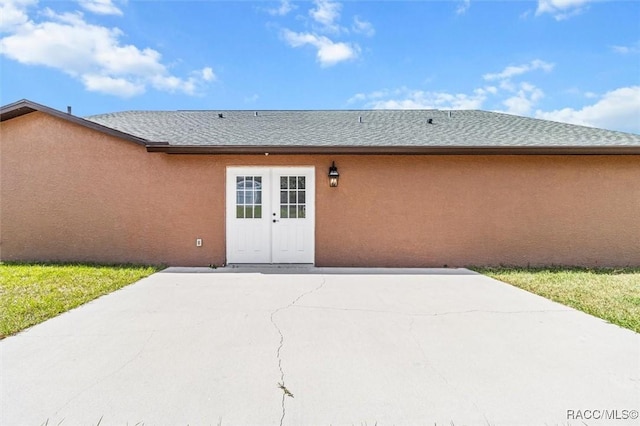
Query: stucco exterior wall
[(483, 210), (71, 193)]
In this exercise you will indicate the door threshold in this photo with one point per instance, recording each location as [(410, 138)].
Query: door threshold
[(271, 265)]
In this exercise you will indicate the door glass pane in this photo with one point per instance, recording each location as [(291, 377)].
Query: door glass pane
[(293, 197), (248, 197)]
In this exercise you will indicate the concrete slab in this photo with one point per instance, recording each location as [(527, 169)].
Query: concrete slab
[(353, 346)]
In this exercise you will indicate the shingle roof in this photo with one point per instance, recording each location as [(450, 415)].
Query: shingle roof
[(377, 128), (344, 132)]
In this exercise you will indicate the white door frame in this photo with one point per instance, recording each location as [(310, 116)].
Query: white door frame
[(270, 238)]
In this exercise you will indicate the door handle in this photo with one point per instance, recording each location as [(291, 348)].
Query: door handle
[(274, 221)]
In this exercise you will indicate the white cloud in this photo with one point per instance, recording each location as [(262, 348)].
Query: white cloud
[(561, 9), (112, 86), (404, 98), (515, 70), (207, 74), (329, 52), (173, 84), (363, 27), (618, 109), (516, 97), (324, 23), (463, 6), (100, 7), (326, 13), (95, 55), (283, 9), (525, 97), (627, 50), (13, 13)]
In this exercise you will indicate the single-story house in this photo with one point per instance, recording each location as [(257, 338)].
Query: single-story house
[(332, 188)]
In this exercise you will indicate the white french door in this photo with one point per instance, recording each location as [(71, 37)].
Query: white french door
[(270, 214)]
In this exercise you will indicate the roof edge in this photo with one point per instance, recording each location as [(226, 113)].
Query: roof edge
[(24, 107), (395, 150)]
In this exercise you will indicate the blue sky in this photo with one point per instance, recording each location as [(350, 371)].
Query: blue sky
[(567, 60)]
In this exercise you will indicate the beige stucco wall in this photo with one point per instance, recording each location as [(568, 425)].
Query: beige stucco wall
[(70, 193)]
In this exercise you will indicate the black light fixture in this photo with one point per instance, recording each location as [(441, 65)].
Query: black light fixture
[(333, 175)]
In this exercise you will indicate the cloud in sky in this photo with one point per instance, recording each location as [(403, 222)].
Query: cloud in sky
[(283, 9), (517, 97), (616, 109), (562, 9), (523, 99), (404, 98), (516, 70), (329, 52), (627, 50), (522, 96), (325, 23), (100, 7), (326, 13), (91, 53), (13, 13), (362, 27), (463, 6)]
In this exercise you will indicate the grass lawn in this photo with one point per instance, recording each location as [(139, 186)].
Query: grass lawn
[(32, 293), (611, 294)]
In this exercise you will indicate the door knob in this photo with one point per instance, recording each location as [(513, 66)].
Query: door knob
[(274, 221)]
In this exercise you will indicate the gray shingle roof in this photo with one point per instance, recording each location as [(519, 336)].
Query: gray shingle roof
[(378, 128)]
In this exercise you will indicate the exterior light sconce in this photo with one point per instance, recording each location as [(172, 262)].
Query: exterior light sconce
[(333, 175)]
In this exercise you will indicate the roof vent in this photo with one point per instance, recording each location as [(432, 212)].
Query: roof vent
[(430, 120), (256, 113), (220, 115), (360, 119), (69, 109), (449, 114)]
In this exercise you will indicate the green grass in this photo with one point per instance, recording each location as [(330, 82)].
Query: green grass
[(610, 294), (32, 293)]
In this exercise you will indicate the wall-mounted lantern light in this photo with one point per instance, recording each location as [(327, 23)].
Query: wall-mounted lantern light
[(333, 175)]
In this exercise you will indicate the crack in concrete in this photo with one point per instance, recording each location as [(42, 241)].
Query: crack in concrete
[(282, 384), (117, 370)]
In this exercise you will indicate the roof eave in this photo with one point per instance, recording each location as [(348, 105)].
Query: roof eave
[(25, 106), (394, 150)]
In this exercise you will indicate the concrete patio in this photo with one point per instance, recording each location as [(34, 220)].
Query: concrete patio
[(196, 346)]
